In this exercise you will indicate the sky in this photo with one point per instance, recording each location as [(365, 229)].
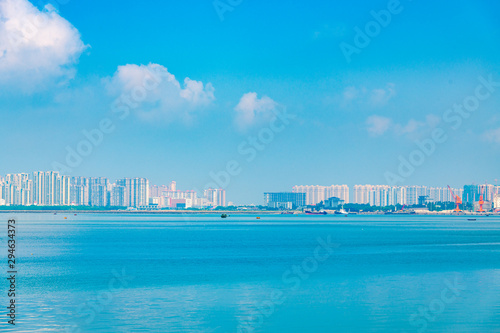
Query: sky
[(252, 96)]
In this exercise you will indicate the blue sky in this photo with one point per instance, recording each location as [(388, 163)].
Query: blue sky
[(352, 120)]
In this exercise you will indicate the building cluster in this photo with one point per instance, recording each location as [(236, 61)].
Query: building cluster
[(53, 189), (379, 195), (384, 195), (316, 193)]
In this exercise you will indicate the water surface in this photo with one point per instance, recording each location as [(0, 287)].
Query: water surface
[(201, 273)]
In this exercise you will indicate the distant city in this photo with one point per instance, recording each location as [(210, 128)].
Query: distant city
[(485, 195), (50, 188), (53, 189)]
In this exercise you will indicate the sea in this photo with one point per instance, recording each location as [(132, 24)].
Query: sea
[(130, 272)]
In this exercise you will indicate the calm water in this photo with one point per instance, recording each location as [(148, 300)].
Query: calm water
[(171, 273)]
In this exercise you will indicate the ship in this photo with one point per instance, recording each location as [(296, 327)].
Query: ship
[(308, 212)]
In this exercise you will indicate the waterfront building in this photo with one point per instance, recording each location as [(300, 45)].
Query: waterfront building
[(80, 192), (471, 194), (362, 194), (117, 196), (379, 195), (99, 194), (384, 195), (287, 200), (496, 202), (333, 203), (413, 193), (136, 191), (215, 197), (317, 193)]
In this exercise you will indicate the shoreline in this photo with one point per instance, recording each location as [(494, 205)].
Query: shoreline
[(211, 212)]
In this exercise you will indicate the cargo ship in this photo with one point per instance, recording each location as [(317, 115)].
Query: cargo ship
[(308, 212)]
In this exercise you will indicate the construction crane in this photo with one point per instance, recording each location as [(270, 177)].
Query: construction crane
[(481, 200), (458, 200)]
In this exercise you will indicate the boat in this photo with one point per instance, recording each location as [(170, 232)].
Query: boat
[(308, 212), (223, 216), (471, 219)]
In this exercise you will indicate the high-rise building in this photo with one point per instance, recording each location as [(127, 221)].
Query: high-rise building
[(286, 200), (317, 193), (379, 195), (98, 192), (362, 194), (136, 191), (471, 194), (118, 196), (38, 197), (17, 189), (216, 197), (80, 191)]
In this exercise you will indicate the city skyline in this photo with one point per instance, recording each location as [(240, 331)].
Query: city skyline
[(50, 188)]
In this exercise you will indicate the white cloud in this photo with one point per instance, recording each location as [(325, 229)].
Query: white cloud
[(378, 125), (411, 127), (252, 110), (492, 135), (372, 98), (350, 93), (155, 94), (380, 97), (36, 46)]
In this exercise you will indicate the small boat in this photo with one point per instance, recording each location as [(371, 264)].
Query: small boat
[(308, 212), (223, 216), (471, 219)]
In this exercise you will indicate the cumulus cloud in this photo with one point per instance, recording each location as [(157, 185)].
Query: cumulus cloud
[(380, 97), (372, 98), (155, 94), (378, 125), (492, 135), (252, 110), (36, 46)]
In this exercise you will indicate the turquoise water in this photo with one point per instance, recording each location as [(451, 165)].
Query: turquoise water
[(199, 273)]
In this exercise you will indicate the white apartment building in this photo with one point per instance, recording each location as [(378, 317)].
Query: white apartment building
[(215, 197), (384, 195), (317, 193)]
